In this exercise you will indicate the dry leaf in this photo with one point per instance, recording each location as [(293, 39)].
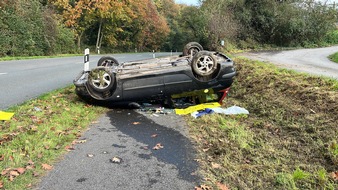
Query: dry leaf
[(36, 174), (14, 173), (334, 175), (80, 141), (90, 155), (116, 160), (203, 187), (21, 170), (215, 165), (158, 146), (2, 157), (222, 186), (1, 184), (154, 136), (46, 166), (136, 123), (40, 155), (29, 167), (4, 172), (69, 148)]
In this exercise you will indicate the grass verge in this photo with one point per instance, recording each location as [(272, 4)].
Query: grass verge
[(289, 140), (37, 57), (39, 133), (334, 57)]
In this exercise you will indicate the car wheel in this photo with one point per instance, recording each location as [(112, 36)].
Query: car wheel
[(101, 79), (192, 48), (204, 64), (107, 61)]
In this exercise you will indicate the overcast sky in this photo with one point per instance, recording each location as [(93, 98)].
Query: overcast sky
[(195, 2)]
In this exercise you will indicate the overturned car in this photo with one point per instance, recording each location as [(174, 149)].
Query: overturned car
[(201, 76)]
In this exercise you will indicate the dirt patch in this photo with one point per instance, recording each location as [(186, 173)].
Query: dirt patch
[(284, 143)]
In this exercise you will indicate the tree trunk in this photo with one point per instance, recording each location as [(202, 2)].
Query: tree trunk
[(99, 38)]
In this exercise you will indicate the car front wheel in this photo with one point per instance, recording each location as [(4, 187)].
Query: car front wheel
[(101, 79), (204, 64)]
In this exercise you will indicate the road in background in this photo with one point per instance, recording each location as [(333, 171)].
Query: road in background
[(314, 61), (26, 79)]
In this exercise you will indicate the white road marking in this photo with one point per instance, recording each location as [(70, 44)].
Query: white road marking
[(3, 73)]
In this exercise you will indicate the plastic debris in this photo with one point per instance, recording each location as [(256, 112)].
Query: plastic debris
[(192, 109), (5, 116), (233, 110), (203, 112)]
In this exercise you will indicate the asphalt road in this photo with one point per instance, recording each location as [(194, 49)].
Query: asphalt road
[(116, 135), (26, 79), (313, 61)]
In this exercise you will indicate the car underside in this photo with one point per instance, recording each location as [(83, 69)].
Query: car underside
[(198, 76)]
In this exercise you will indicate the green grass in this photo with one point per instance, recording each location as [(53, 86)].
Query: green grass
[(288, 141), (39, 133), (36, 57), (334, 57)]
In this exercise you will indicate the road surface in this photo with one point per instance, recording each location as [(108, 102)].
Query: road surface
[(313, 61)]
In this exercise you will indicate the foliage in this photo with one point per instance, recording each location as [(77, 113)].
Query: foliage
[(47, 27), (28, 29), (334, 57)]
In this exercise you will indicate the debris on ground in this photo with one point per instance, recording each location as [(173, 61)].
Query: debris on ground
[(234, 110), (116, 160), (195, 108), (5, 116)]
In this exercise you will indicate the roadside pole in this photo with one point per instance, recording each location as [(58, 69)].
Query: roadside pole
[(86, 60)]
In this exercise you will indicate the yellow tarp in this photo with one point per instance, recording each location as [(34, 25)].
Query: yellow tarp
[(192, 109), (5, 115)]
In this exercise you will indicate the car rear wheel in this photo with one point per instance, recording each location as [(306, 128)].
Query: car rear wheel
[(204, 64), (107, 61), (101, 79), (192, 48)]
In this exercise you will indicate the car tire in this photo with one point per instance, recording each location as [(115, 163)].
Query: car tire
[(107, 61), (192, 48), (204, 64), (101, 79)]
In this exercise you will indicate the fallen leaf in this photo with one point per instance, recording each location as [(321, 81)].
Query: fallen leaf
[(154, 136), (11, 158), (29, 185), (14, 173), (21, 170), (334, 175), (203, 187), (40, 155), (136, 123), (46, 166), (222, 186), (46, 147), (215, 165), (69, 148), (158, 146), (116, 160), (80, 141), (5, 171), (1, 184), (36, 174), (29, 167), (90, 155)]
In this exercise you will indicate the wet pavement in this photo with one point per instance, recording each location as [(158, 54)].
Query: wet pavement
[(127, 149)]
